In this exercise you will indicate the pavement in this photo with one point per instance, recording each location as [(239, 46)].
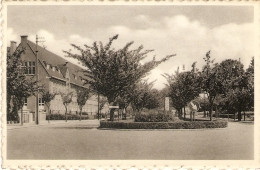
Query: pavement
[(93, 123), (82, 140)]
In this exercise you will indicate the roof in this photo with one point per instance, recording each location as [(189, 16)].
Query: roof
[(58, 65)]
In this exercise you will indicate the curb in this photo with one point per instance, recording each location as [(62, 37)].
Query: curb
[(11, 127)]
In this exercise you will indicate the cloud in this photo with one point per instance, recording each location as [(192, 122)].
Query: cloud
[(189, 39), (11, 36), (55, 45)]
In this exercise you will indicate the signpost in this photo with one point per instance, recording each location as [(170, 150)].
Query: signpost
[(167, 104)]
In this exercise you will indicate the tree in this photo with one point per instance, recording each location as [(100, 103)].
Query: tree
[(82, 97), (236, 84), (66, 100), (140, 95), (18, 86), (47, 98), (184, 87), (153, 98), (250, 79), (210, 82), (114, 71)]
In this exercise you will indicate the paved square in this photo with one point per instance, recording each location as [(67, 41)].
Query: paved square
[(82, 140)]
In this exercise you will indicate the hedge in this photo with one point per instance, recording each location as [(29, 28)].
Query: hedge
[(165, 125), (151, 117), (62, 117)]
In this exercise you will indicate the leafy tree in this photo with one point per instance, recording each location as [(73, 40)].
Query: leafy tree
[(18, 86), (210, 84), (184, 87), (114, 71), (140, 95), (82, 97), (250, 80), (47, 98), (236, 85), (153, 99), (66, 100)]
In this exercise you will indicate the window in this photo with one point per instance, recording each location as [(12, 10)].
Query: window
[(41, 102), (29, 67)]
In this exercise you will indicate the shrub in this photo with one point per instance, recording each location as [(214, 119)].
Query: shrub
[(152, 117), (164, 125), (62, 117)]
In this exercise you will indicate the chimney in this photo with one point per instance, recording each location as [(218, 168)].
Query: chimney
[(24, 40), (12, 47)]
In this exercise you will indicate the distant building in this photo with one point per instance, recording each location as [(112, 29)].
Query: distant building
[(56, 75)]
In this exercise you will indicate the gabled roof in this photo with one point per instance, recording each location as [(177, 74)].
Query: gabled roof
[(48, 58)]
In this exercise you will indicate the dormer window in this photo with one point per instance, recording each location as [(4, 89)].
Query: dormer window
[(59, 70), (53, 68), (48, 66)]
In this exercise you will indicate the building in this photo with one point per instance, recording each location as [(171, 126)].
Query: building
[(56, 75)]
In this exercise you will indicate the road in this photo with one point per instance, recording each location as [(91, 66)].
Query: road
[(81, 140)]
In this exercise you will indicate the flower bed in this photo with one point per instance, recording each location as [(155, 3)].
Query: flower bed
[(165, 125)]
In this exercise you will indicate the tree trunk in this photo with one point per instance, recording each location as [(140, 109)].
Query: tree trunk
[(80, 114), (124, 114), (239, 115), (118, 115), (49, 114), (190, 115), (65, 114), (22, 116), (184, 113), (180, 113), (216, 112), (244, 116), (210, 112)]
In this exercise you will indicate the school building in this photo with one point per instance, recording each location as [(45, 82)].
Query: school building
[(57, 75)]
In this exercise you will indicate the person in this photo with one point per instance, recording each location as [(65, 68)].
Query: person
[(193, 107)]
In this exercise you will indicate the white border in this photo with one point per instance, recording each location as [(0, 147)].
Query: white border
[(131, 164)]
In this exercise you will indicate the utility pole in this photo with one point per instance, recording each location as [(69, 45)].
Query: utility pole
[(37, 80)]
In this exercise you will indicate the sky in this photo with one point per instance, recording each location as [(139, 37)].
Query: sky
[(187, 31)]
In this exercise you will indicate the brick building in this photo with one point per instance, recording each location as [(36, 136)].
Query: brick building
[(57, 75)]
